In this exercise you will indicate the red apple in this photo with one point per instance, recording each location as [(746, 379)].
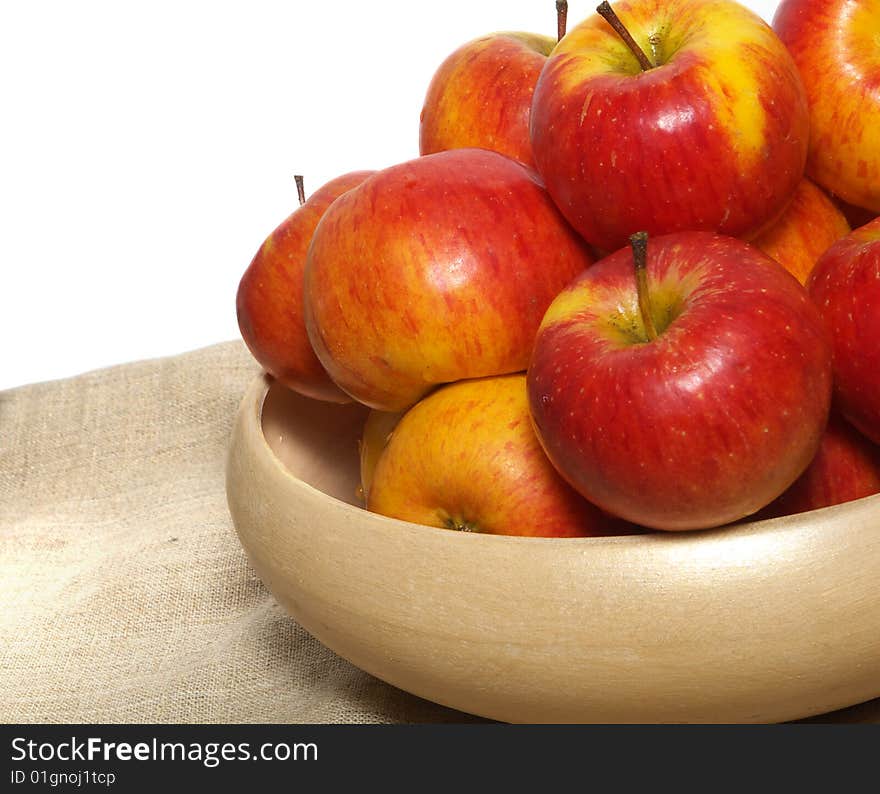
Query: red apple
[(435, 270), (481, 96), (845, 285), (466, 458), (702, 420), (269, 302), (846, 467), (836, 46), (709, 133), (810, 224)]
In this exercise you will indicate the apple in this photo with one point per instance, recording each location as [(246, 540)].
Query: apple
[(689, 395), (481, 96), (846, 467), (466, 458), (836, 46), (377, 432), (810, 224), (269, 302), (708, 131), (434, 270), (845, 285)]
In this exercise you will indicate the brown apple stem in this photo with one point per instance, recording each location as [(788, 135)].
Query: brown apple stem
[(300, 189), (561, 18), (639, 243), (607, 13)]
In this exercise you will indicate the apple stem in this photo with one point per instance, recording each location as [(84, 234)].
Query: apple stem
[(607, 13), (300, 189), (561, 18), (639, 243)]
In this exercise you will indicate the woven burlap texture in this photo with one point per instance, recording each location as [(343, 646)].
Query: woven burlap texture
[(126, 595)]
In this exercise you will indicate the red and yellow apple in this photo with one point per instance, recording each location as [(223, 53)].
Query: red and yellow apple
[(846, 467), (836, 46), (465, 457), (845, 285), (378, 429), (481, 96), (712, 136), (699, 415), (434, 270), (810, 224), (269, 302)]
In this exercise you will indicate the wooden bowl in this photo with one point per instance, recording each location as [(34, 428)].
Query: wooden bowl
[(764, 622)]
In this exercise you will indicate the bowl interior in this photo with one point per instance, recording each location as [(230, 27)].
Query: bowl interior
[(317, 442)]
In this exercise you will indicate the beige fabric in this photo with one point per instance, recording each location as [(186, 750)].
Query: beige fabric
[(125, 595)]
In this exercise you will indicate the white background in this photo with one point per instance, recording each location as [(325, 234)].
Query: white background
[(146, 149)]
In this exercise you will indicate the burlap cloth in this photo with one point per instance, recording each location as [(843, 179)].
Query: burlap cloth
[(125, 594)]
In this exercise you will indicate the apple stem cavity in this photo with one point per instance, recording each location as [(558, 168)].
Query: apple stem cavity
[(561, 18), (639, 243), (607, 13), (300, 188)]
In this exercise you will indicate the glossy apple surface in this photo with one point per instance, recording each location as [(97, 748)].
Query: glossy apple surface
[(714, 137), (836, 46), (846, 467), (269, 302), (466, 458), (481, 96), (435, 270), (845, 285), (708, 422), (810, 224)]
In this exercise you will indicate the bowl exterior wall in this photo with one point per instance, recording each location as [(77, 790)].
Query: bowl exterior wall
[(764, 622)]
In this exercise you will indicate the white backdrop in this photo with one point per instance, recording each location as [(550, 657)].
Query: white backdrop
[(146, 149)]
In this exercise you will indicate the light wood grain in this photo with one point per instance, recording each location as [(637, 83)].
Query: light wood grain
[(764, 622)]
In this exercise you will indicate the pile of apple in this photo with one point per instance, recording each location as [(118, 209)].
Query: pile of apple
[(619, 289)]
